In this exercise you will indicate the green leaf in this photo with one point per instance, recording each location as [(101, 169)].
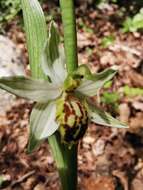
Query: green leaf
[(42, 123), (107, 41), (36, 33), (131, 92), (133, 24), (53, 57), (110, 97), (101, 117), (36, 90), (92, 83)]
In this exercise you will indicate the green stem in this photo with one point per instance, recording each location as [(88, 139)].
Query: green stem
[(66, 159), (70, 35)]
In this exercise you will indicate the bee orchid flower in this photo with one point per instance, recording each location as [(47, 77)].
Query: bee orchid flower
[(62, 100)]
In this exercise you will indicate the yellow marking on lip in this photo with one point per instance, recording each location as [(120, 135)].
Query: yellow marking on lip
[(77, 109), (71, 120)]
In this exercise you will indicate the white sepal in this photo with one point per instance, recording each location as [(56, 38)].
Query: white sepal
[(42, 123), (36, 90), (56, 70)]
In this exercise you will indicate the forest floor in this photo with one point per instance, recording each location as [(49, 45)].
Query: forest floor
[(109, 159)]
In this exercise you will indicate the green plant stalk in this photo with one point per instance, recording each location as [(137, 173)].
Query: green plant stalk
[(70, 35), (66, 159)]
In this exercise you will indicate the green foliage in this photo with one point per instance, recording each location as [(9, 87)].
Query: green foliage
[(135, 23), (108, 84), (131, 92), (89, 51), (111, 99), (121, 2), (107, 41), (8, 9), (84, 27)]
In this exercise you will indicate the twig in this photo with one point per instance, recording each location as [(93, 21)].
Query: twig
[(27, 175)]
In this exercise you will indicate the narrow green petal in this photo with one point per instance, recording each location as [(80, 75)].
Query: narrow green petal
[(92, 83), (42, 123), (53, 57), (53, 43), (36, 90), (101, 117)]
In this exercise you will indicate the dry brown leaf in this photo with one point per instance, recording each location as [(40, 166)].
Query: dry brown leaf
[(99, 183), (136, 123), (136, 78), (123, 178), (39, 187), (124, 112)]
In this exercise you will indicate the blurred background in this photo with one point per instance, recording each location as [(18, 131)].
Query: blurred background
[(110, 33)]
